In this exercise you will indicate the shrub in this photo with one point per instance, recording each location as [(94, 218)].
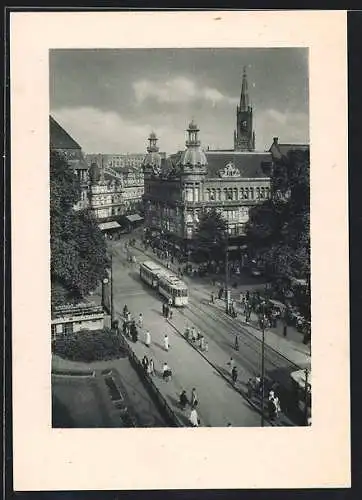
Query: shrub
[(89, 345)]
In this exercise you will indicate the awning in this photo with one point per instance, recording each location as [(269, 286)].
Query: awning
[(134, 218), (104, 226)]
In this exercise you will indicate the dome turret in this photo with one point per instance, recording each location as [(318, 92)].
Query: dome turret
[(153, 157), (193, 156)]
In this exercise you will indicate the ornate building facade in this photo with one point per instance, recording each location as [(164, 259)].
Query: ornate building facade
[(63, 143), (114, 191), (179, 188)]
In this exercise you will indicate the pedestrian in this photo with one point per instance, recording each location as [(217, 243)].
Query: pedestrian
[(206, 347), (194, 400), (277, 406), (148, 338), (193, 333), (167, 311), (250, 387), (285, 330), (202, 343), (170, 314), (183, 400), (133, 331), (271, 409), (128, 316), (231, 363), (220, 294), (236, 345), (170, 302), (140, 320), (125, 311), (166, 343), (167, 373), (212, 297), (194, 418), (234, 374), (145, 362), (151, 367), (163, 309), (187, 333)]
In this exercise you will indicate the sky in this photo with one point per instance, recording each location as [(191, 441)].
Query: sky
[(109, 100)]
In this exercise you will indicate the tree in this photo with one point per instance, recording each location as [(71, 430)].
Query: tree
[(210, 234), (78, 249), (278, 230)]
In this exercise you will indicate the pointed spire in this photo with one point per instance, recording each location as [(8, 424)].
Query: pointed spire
[(244, 97)]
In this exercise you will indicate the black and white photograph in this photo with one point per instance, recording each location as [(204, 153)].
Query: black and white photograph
[(179, 253), (180, 240)]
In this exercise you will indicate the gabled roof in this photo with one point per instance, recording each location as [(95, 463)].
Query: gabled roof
[(250, 164), (59, 138), (279, 150)]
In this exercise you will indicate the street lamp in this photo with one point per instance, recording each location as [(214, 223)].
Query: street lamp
[(262, 363), (106, 281), (227, 291)]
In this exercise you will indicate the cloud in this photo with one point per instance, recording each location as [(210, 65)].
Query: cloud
[(178, 90), (100, 131), (289, 126)]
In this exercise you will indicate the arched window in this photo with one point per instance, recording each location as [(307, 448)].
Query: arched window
[(262, 193), (229, 194), (225, 194), (235, 193), (251, 191), (246, 193), (241, 193), (212, 194), (207, 195), (218, 194), (257, 195), (267, 192)]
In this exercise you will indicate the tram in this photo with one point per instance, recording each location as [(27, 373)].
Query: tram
[(150, 273), (167, 284), (171, 287)]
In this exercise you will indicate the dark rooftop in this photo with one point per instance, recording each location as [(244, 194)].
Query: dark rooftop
[(59, 138), (250, 164)]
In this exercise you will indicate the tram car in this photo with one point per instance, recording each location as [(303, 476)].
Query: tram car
[(171, 287), (167, 284), (150, 273)]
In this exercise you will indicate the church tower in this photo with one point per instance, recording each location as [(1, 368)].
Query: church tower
[(244, 135)]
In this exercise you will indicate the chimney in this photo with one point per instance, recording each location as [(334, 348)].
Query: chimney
[(275, 140)]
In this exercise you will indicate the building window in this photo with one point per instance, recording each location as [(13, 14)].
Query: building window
[(235, 193), (257, 194), (230, 194), (207, 195), (262, 193), (241, 193), (251, 191), (218, 194)]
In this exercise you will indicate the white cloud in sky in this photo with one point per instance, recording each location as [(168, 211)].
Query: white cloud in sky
[(178, 90), (100, 131)]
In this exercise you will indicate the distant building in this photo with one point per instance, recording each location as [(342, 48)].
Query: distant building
[(116, 190), (279, 150), (62, 142), (179, 188)]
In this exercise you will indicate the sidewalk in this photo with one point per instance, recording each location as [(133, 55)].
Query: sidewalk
[(218, 405)]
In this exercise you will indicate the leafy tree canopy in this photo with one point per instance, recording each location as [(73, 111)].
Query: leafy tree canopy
[(278, 230), (78, 249), (210, 233)]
